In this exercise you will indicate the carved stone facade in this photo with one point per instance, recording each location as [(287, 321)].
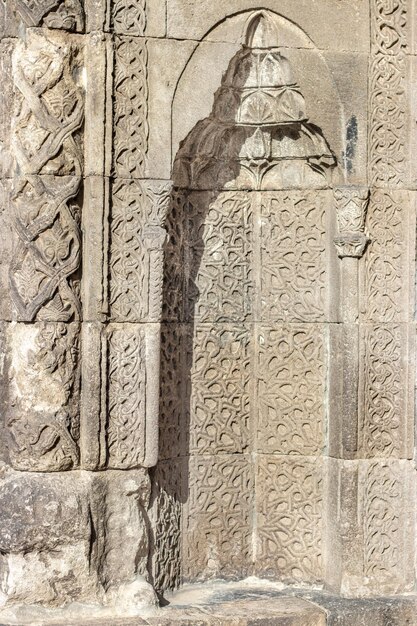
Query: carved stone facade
[(207, 304)]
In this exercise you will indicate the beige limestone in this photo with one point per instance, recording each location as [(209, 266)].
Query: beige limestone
[(207, 309)]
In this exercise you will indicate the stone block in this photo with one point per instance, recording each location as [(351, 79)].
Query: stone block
[(137, 239), (298, 273), (220, 257), (139, 17), (167, 60), (387, 288), (6, 102), (386, 402), (219, 369), (97, 81), (46, 539), (6, 251), (43, 380), (289, 512), (217, 537), (290, 389), (173, 433), (119, 425), (19, 15), (367, 553), (169, 495), (189, 19)]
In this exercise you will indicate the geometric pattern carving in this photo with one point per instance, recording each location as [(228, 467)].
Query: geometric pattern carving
[(289, 506), (166, 514), (388, 98), (130, 111), (217, 536), (290, 390), (220, 238), (293, 255), (174, 258), (172, 397), (384, 499), (220, 387)]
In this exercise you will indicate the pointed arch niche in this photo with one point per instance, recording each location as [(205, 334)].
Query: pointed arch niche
[(250, 290)]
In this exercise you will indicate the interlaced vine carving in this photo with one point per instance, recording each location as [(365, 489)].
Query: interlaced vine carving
[(130, 114), (45, 142), (129, 17), (383, 499), (127, 379), (44, 437), (387, 129)]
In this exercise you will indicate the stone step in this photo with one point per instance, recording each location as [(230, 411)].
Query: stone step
[(237, 604)]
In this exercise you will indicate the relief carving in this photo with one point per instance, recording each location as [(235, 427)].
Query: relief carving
[(137, 236), (351, 209), (290, 505), (44, 276), (130, 112), (385, 273), (220, 382), (382, 517), (62, 14), (290, 384), (293, 256), (43, 418), (388, 98), (129, 17), (217, 538), (220, 247), (384, 428), (258, 135), (127, 397)]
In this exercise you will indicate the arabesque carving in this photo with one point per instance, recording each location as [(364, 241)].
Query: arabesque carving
[(129, 17), (130, 114), (62, 14), (48, 160), (43, 420), (388, 98), (137, 235)]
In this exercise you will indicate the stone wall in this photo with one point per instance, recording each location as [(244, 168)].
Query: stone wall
[(208, 229)]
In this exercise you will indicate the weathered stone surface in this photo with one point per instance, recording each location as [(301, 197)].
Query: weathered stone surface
[(47, 533), (207, 309)]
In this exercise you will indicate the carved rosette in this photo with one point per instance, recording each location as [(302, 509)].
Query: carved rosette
[(351, 208)]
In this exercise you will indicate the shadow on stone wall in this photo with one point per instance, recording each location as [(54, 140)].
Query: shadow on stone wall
[(257, 137)]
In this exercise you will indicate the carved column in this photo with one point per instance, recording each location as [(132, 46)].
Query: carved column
[(351, 204)]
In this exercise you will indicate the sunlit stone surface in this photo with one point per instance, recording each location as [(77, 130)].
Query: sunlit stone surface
[(207, 312)]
